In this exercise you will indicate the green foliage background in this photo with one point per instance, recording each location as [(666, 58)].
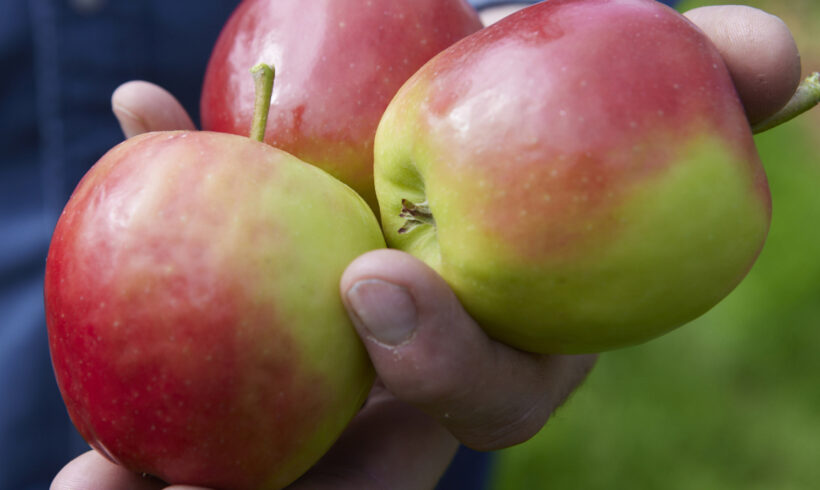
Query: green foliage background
[(732, 400)]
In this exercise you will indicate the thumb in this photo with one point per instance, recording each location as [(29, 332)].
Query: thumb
[(141, 107), (429, 352)]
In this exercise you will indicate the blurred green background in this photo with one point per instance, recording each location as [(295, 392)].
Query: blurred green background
[(732, 400)]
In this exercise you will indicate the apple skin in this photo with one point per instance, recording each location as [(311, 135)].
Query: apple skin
[(591, 175), (338, 64), (194, 318)]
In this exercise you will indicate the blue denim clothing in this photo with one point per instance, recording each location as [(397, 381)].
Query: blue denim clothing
[(60, 61)]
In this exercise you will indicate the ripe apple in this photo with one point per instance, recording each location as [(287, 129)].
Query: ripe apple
[(341, 61), (194, 318), (581, 173)]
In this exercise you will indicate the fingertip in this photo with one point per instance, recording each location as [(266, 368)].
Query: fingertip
[(395, 290), (400, 273), (91, 470), (141, 107), (121, 102), (491, 15), (759, 51), (417, 334)]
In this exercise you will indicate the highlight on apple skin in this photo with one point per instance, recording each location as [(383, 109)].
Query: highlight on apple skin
[(194, 318), (581, 173)]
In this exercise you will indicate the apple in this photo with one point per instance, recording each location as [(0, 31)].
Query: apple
[(581, 173), (341, 61), (193, 309)]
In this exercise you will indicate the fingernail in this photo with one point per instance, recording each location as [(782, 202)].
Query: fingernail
[(130, 124), (384, 310)]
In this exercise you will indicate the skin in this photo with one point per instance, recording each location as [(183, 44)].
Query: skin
[(492, 15), (764, 73), (521, 393)]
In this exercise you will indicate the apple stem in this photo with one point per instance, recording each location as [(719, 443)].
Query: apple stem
[(416, 214), (263, 76), (806, 97)]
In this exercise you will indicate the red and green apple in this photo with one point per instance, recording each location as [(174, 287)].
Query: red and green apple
[(581, 173), (193, 309)]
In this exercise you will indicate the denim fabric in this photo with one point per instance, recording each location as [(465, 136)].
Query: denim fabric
[(60, 60)]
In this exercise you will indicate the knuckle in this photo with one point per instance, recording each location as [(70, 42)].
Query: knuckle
[(505, 431)]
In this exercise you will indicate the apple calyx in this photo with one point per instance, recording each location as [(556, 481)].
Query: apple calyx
[(263, 76), (417, 214), (805, 97)]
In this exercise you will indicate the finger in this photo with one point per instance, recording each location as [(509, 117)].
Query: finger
[(92, 471), (759, 52), (141, 107), (491, 15), (429, 352), (389, 444)]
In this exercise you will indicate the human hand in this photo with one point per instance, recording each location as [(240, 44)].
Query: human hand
[(446, 380)]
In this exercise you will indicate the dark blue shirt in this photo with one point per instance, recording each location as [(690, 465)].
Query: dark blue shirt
[(60, 61)]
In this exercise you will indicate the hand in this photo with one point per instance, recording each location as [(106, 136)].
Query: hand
[(429, 352), (446, 381)]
